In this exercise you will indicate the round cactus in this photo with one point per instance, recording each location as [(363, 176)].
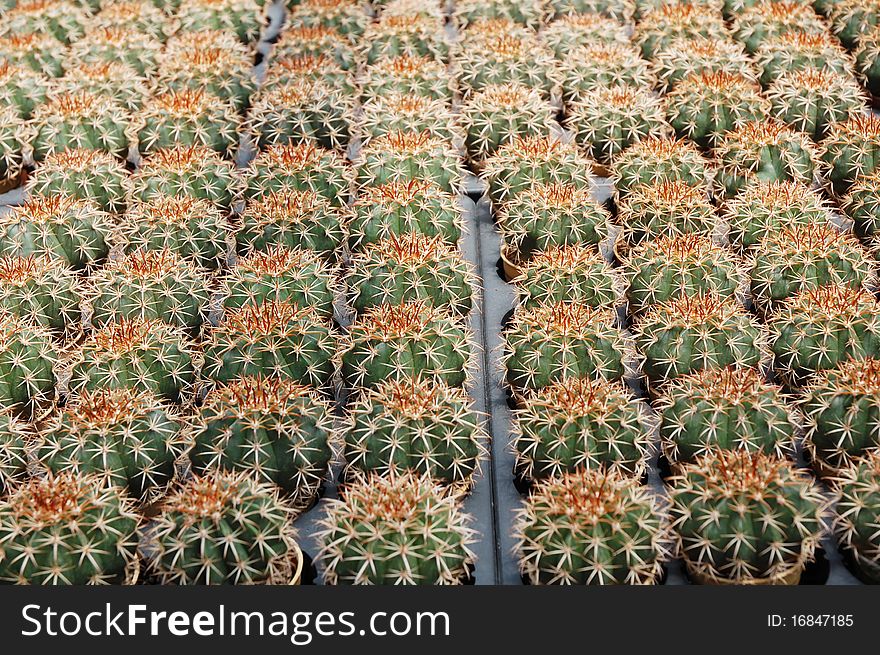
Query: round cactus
[(415, 531), (40, 289), (408, 268), (550, 342), (505, 58), (867, 60), (189, 228), (692, 333), (743, 517), (727, 408), (416, 36), (277, 430), (224, 528), (531, 160), (571, 31), (666, 209), (279, 274), (470, 13), (347, 18), (391, 342), (67, 529), (113, 80), (21, 89), (305, 70), (404, 156), (602, 63), (122, 43), (398, 208), (73, 230), (811, 100), (549, 215), (580, 423), (145, 16), (672, 267), (688, 57), (85, 174), (676, 21), (38, 51), (851, 19), (143, 355), (404, 75), (500, 113), (797, 51), (769, 19), (857, 520), (395, 112), (415, 424), (862, 205), (15, 437), (806, 257), (243, 17), (591, 528), (656, 160), (298, 167), (819, 328), (274, 338), (764, 207), (11, 146), (63, 20), (851, 149), (842, 409), (316, 42), (128, 437), (765, 150), (292, 219), (575, 272)]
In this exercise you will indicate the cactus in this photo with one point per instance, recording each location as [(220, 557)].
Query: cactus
[(851, 20), (396, 113), (398, 208), (405, 75), (602, 64), (243, 17), (210, 61), (607, 120), (842, 409), (28, 356), (280, 274), (812, 100), (820, 328), (113, 80), (143, 355), (273, 338), (347, 17), (728, 409), (768, 19), (187, 227), (856, 521), (531, 160), (704, 106), (656, 160), (308, 69), (128, 437), (575, 273), (675, 21), (67, 529), (867, 60), (797, 51), (21, 89), (149, 285), (404, 156), (732, 8), (392, 342), (470, 13), (40, 52), (78, 120), (293, 219), (187, 117), (223, 528), (673, 267), (549, 342), (11, 146), (142, 15), (688, 57), (123, 44), (40, 289), (862, 205), (298, 42), (497, 59), (300, 112), (416, 36), (620, 10), (411, 267), (666, 209), (579, 423), (298, 167), (571, 31), (277, 430), (806, 257), (73, 230), (591, 527), (63, 20), (549, 215), (765, 150), (689, 334), (415, 424), (743, 517), (193, 171), (764, 207), (851, 149), (15, 437)]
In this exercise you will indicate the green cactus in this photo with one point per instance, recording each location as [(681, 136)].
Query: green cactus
[(243, 17), (63, 20), (293, 219), (574, 272), (404, 156), (15, 438), (85, 174), (655, 160), (856, 521), (862, 205), (812, 100), (851, 19), (316, 42), (146, 16), (40, 289), (470, 13), (67, 529), (602, 64), (867, 60), (592, 528), (728, 409), (299, 167), (851, 149), (302, 70), (277, 430), (21, 88), (396, 112), (128, 437), (676, 21), (113, 80), (416, 533), (666, 209), (415, 424), (11, 146), (504, 58), (40, 52), (123, 43), (395, 35), (767, 20), (571, 31), (348, 18), (405, 75), (797, 51), (688, 57)]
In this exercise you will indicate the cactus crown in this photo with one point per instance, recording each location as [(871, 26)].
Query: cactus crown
[(256, 393), (764, 133), (681, 247), (407, 142), (576, 397), (389, 322), (414, 398), (53, 499), (780, 194), (125, 335), (856, 377), (697, 310), (275, 261), (181, 159), (18, 270), (566, 319), (565, 259), (858, 127), (401, 192), (731, 384), (590, 499), (412, 247), (818, 238), (289, 205), (79, 160), (100, 408), (270, 317), (832, 301), (145, 263)]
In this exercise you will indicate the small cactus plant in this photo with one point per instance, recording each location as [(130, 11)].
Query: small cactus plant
[(769, 19), (857, 520), (676, 21), (122, 43), (396, 112), (15, 438), (243, 17), (571, 31), (404, 75), (405, 156), (851, 149), (666, 209), (796, 51), (862, 205), (293, 219), (23, 89), (656, 160), (40, 289), (299, 167), (687, 57), (81, 173), (574, 272), (39, 51), (505, 58), (602, 64), (811, 100)]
